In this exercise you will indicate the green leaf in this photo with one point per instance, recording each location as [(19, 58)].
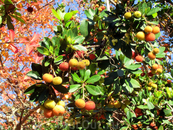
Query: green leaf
[(93, 79), (87, 74), (172, 72), (56, 42), (68, 23), (129, 115), (37, 67), (102, 57), (51, 49), (153, 10), (0, 19), (128, 86), (9, 23), (157, 35), (134, 83), (43, 97), (93, 67), (47, 63), (43, 50), (30, 89), (160, 55), (36, 94), (142, 106), (57, 15), (80, 47), (58, 59), (133, 66), (150, 105), (84, 28), (79, 39), (61, 88), (108, 80), (34, 75), (47, 42), (18, 18), (94, 90), (144, 6), (67, 16), (120, 72), (161, 127), (76, 78), (82, 73), (90, 16), (74, 87)]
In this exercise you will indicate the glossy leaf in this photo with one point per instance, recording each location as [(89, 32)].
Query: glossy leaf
[(30, 89), (93, 79), (94, 90), (76, 78), (87, 74), (84, 28), (43, 50), (61, 88), (34, 75), (74, 87)]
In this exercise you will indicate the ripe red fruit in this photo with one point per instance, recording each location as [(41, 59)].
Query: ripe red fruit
[(137, 110), (139, 58), (89, 105), (169, 81), (74, 68), (95, 40), (150, 37), (92, 56), (152, 124), (103, 7), (79, 54), (48, 113), (64, 66), (133, 54)]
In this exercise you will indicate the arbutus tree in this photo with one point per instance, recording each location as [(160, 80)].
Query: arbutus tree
[(86, 86)]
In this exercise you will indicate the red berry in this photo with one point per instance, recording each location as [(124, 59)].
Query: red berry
[(92, 56), (139, 58), (64, 66), (137, 110)]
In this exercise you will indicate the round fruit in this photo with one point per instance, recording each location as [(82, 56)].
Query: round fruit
[(133, 54), (156, 30), (156, 50), (140, 35), (159, 71), (117, 104), (137, 14), (74, 68), (92, 56), (128, 15), (61, 103), (155, 66), (149, 88), (169, 81), (81, 65), (97, 5), (48, 113), (160, 67), (79, 54), (89, 105), (87, 62), (80, 103), (64, 66), (139, 58), (100, 9), (151, 56), (58, 110), (103, 7), (154, 85), (57, 80), (148, 29), (73, 62), (137, 110), (49, 104), (47, 78), (150, 37)]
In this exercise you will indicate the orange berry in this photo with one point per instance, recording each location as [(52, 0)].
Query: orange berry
[(58, 110), (89, 105), (64, 66), (81, 65), (155, 66), (150, 37), (156, 50), (73, 62), (48, 113), (151, 56), (80, 103), (139, 58), (156, 30), (148, 29), (57, 80), (140, 35), (48, 78)]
